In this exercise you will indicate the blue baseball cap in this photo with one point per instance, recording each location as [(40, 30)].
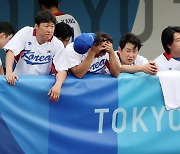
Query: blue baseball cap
[(83, 42)]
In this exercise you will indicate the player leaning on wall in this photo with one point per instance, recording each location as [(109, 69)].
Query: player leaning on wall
[(37, 49)]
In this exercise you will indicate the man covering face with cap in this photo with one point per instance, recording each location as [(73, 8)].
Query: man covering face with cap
[(90, 52)]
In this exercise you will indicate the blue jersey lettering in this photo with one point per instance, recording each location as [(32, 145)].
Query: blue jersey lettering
[(98, 65), (32, 59)]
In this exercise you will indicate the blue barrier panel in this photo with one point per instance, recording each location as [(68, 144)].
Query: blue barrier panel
[(146, 126), (96, 114), (25, 110), (74, 120)]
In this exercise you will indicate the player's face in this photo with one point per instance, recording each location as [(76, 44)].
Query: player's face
[(175, 46), (44, 31), (128, 54), (4, 39)]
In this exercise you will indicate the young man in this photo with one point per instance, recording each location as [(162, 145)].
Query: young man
[(170, 59), (128, 58), (63, 32), (52, 5), (90, 52), (38, 49), (6, 33)]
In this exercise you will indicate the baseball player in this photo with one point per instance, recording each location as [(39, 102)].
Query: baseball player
[(128, 58), (63, 32), (52, 5), (170, 59), (37, 50), (90, 52), (6, 33)]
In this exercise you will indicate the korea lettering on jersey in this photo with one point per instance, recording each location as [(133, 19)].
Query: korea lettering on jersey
[(98, 65), (70, 20), (31, 58), (35, 58)]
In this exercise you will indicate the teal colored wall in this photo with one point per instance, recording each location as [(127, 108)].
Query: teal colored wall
[(114, 17)]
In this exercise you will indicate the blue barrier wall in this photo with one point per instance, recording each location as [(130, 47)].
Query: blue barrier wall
[(96, 114)]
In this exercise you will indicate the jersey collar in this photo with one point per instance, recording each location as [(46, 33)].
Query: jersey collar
[(167, 55), (58, 13), (34, 34)]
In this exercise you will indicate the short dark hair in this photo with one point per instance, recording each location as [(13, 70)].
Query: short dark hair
[(6, 28), (101, 37), (48, 3), (167, 36), (63, 30), (130, 38), (45, 17)]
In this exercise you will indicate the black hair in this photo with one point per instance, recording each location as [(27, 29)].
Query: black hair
[(167, 36), (130, 38), (45, 17), (63, 30), (102, 37), (6, 28), (48, 3)]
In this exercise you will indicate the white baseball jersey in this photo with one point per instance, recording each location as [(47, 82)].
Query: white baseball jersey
[(71, 21), (140, 60), (97, 66), (35, 58), (165, 62)]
